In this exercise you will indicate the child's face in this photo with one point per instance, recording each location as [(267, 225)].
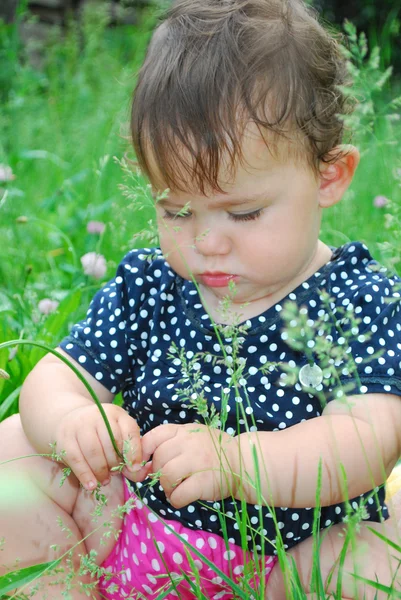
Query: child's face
[(262, 234)]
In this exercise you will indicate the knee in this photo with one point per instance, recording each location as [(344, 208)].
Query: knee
[(14, 442)]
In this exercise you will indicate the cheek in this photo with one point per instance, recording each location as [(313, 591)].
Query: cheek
[(175, 248), (167, 235)]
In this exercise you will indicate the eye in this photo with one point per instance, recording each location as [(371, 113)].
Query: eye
[(255, 214), (179, 215)]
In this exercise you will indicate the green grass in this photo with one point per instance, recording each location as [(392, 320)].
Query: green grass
[(60, 129)]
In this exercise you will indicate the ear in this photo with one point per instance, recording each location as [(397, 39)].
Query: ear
[(336, 176)]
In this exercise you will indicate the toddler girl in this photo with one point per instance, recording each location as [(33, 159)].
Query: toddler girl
[(236, 114)]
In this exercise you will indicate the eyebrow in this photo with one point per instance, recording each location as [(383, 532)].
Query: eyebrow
[(219, 204)]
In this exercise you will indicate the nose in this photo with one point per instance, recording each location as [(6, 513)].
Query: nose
[(212, 240)]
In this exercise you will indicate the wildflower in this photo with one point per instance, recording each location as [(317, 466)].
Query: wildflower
[(96, 227), (47, 306), (94, 264), (6, 173), (380, 201)]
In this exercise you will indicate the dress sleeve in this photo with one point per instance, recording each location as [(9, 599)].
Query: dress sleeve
[(376, 349), (100, 342)]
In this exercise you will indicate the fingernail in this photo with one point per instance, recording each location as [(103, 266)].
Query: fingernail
[(135, 468), (91, 485), (106, 482)]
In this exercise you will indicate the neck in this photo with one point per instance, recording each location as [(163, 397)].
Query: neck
[(238, 313)]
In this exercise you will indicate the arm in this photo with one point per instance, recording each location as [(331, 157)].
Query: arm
[(56, 407), (51, 391), (363, 434)]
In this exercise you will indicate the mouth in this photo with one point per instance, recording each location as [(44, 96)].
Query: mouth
[(217, 279)]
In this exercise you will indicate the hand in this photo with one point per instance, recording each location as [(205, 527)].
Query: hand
[(194, 463), (82, 434)]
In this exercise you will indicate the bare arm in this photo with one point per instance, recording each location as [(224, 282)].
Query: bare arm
[(57, 407), (49, 392), (363, 435)]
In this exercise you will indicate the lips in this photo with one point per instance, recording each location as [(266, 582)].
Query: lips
[(217, 279)]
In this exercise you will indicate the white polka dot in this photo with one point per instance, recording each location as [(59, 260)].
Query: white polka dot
[(177, 558), (155, 564), (238, 569), (152, 518)]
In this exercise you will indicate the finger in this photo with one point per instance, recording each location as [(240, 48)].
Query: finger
[(92, 450), (173, 474), (132, 444), (75, 459), (155, 437), (165, 453), (186, 492), (112, 458), (139, 475)]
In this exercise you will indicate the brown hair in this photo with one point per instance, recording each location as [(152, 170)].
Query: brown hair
[(215, 65)]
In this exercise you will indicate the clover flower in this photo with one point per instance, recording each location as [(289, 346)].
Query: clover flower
[(96, 227), (94, 265), (380, 202), (47, 306), (6, 173)]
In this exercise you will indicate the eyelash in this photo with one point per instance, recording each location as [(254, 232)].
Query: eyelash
[(235, 217)]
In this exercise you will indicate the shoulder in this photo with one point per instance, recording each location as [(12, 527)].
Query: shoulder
[(357, 278), (144, 260), (141, 275), (144, 268)]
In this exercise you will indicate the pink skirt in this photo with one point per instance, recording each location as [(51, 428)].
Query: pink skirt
[(149, 558)]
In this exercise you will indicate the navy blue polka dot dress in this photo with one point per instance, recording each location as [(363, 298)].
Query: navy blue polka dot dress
[(132, 322)]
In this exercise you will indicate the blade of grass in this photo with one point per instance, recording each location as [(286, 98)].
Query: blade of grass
[(8, 402), (16, 579)]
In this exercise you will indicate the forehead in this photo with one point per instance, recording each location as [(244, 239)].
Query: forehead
[(260, 155)]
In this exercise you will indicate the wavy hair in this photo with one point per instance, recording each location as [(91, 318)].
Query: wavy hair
[(213, 66)]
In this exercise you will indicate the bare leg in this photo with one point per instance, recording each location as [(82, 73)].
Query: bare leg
[(369, 557), (33, 506)]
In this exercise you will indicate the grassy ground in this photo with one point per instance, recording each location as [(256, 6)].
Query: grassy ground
[(60, 129)]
